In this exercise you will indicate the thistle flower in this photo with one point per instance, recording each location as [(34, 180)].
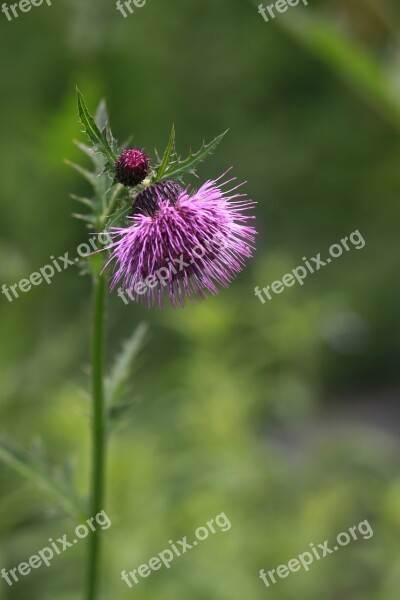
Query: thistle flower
[(179, 244), (131, 167), (183, 243)]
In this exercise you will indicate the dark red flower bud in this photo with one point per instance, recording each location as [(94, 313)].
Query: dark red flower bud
[(131, 167)]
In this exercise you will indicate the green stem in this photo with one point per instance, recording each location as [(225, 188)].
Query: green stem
[(98, 433), (110, 208)]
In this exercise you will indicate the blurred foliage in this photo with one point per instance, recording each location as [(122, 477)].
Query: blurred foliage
[(282, 415)]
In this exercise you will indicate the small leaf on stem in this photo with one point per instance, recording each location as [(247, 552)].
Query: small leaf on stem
[(98, 139)]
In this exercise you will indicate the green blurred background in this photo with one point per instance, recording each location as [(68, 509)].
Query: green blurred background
[(283, 415)]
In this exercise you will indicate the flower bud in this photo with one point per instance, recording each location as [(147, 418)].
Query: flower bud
[(148, 201), (131, 167)]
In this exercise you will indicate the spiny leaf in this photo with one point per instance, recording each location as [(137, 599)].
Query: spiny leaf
[(85, 201), (38, 472), (103, 123), (115, 383), (90, 177), (84, 147), (118, 217), (157, 155), (121, 411), (106, 203), (99, 160), (87, 218), (101, 117), (98, 139), (167, 154), (180, 167)]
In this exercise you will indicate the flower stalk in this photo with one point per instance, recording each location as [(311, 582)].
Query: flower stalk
[(145, 210), (98, 431)]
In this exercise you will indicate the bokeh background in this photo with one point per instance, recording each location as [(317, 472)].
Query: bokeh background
[(285, 415)]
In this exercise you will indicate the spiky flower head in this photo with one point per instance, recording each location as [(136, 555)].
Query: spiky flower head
[(182, 244), (179, 243), (131, 167)]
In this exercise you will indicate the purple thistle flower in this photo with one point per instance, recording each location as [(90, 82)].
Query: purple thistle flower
[(187, 243), (131, 167)]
